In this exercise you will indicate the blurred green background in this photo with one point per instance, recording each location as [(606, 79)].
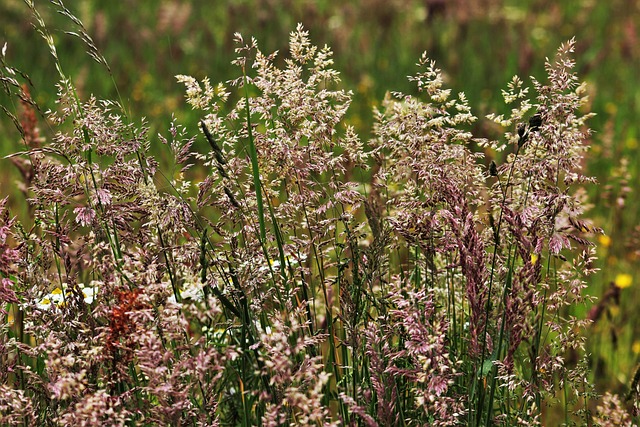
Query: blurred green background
[(480, 45)]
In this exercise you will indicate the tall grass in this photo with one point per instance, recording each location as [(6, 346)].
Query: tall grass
[(311, 277)]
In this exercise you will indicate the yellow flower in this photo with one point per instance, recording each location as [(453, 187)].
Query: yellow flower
[(604, 240), (623, 280), (534, 258), (635, 347)]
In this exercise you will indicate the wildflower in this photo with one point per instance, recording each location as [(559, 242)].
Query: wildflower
[(53, 299), (604, 240), (89, 292), (623, 280), (44, 304), (57, 297)]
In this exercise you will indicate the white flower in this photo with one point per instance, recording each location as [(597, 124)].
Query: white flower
[(57, 297), (44, 304), (89, 292)]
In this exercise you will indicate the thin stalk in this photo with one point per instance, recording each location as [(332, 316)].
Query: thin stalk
[(358, 312), (172, 279), (255, 168), (498, 351), (491, 278)]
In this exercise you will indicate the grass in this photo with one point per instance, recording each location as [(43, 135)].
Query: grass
[(321, 264)]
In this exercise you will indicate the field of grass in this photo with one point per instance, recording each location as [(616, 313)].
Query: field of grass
[(479, 46)]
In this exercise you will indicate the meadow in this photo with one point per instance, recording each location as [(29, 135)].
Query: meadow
[(319, 213)]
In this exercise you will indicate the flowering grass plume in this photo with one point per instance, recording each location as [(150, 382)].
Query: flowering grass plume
[(310, 278)]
